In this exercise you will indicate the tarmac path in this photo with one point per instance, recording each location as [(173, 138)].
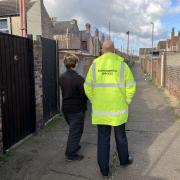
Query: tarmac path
[(153, 134)]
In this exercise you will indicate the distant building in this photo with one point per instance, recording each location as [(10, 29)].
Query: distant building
[(172, 44), (89, 43), (96, 44), (38, 20), (67, 34), (161, 46), (145, 51), (87, 40)]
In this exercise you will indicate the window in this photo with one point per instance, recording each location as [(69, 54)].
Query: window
[(173, 47), (4, 26), (84, 45)]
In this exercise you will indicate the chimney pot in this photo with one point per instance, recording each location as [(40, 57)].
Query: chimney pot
[(88, 28), (97, 33)]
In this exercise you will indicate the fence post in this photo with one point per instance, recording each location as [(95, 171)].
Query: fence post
[(30, 36), (38, 82), (58, 74), (165, 70), (1, 134), (162, 70)]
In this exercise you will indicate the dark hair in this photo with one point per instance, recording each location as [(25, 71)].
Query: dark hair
[(70, 61)]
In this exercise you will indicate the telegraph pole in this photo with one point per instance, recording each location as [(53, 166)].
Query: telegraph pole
[(128, 42), (152, 49), (109, 37), (67, 38)]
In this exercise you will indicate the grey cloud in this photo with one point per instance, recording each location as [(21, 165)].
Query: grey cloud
[(124, 15)]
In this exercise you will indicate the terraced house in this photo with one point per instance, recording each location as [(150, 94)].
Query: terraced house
[(38, 20)]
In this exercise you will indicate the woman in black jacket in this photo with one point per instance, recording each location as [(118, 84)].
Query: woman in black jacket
[(73, 106)]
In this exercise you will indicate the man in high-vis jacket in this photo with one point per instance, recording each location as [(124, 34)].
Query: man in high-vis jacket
[(110, 87)]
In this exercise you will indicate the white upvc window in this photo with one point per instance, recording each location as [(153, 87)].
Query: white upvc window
[(173, 48), (4, 25)]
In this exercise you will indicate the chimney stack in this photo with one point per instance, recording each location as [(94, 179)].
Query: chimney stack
[(74, 21), (97, 33), (172, 33), (88, 28), (102, 39)]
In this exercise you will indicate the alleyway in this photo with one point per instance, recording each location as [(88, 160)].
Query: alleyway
[(154, 142)]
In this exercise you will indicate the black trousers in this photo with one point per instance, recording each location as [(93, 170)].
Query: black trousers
[(76, 126), (104, 134)]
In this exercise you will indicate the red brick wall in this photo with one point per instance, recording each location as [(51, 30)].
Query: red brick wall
[(146, 66), (87, 65), (143, 61), (172, 74), (157, 71), (172, 81)]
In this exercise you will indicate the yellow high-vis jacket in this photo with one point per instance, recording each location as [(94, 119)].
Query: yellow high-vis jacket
[(110, 87)]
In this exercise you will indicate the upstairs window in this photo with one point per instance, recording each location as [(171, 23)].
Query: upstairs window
[(173, 48), (4, 25), (84, 45)]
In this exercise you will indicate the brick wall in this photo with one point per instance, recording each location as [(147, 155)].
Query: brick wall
[(171, 72), (146, 65), (172, 81), (157, 71), (1, 141), (87, 64), (47, 25), (143, 61), (38, 82)]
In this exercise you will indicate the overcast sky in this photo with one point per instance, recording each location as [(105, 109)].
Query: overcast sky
[(125, 15)]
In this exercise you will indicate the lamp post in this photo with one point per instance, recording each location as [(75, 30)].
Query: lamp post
[(109, 35), (127, 42), (152, 49)]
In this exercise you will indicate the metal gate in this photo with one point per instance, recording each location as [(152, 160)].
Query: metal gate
[(49, 68), (16, 88)]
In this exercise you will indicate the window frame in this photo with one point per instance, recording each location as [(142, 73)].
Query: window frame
[(5, 30)]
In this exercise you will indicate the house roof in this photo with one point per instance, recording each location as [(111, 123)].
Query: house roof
[(84, 35), (143, 51), (62, 27), (173, 41), (11, 7)]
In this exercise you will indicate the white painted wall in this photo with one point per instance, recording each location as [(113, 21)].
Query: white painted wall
[(34, 23)]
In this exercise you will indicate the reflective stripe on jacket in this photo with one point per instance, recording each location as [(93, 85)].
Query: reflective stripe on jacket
[(110, 87)]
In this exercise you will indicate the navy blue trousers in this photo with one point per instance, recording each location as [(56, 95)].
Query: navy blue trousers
[(76, 126), (104, 134)]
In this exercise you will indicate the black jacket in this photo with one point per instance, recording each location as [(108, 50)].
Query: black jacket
[(74, 99)]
